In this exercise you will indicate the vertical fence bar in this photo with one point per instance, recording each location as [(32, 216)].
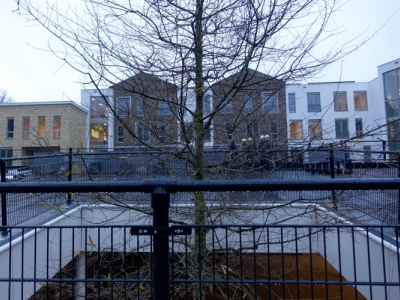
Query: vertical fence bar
[(3, 199), (160, 201), (69, 200), (332, 172)]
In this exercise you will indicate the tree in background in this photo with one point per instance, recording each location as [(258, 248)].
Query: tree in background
[(4, 97)]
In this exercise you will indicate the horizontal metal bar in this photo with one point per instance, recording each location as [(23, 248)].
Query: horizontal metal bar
[(171, 186)]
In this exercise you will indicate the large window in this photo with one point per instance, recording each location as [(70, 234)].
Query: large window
[(342, 128), (42, 127), (229, 131), (26, 124), (296, 129), (120, 134), (139, 107), (359, 128), (274, 129), (187, 132), (164, 108), (162, 131), (340, 101), (248, 104), (98, 108), (98, 134), (206, 105), (313, 102), (292, 102), (10, 128), (57, 127), (392, 88), (270, 103), (142, 132), (360, 100), (226, 106), (123, 107), (315, 129), (252, 129)]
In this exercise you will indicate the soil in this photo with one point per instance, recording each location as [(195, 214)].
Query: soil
[(311, 271)]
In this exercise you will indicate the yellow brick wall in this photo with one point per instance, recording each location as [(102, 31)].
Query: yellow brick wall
[(73, 120)]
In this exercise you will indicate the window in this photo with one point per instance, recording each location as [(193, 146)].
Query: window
[(359, 128), (42, 127), (315, 129), (142, 132), (120, 134), (26, 124), (270, 103), (98, 134), (274, 129), (183, 106), (206, 105), (123, 107), (164, 106), (7, 153), (98, 108), (187, 132), (229, 130), (367, 153), (226, 106), (248, 104), (340, 101), (10, 128), (296, 129), (162, 129), (360, 100), (252, 129), (57, 127), (342, 128), (139, 107), (391, 83), (292, 102), (207, 135), (313, 102)]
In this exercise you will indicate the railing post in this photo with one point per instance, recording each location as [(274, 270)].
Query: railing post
[(69, 197), (160, 201), (3, 199), (332, 171)]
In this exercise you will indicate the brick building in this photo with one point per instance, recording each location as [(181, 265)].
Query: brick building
[(257, 108), (31, 128), (145, 112)]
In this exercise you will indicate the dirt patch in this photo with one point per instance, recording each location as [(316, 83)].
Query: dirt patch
[(278, 276)]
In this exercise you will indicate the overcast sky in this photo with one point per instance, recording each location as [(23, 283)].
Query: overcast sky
[(31, 74)]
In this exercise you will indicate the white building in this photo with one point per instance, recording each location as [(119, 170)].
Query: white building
[(347, 114)]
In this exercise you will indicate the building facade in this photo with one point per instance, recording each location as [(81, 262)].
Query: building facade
[(346, 114), (388, 85), (257, 108), (145, 112), (37, 127)]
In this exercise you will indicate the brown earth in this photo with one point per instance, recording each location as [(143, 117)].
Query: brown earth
[(317, 278)]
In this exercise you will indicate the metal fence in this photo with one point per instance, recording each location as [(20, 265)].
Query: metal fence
[(369, 207), (320, 257)]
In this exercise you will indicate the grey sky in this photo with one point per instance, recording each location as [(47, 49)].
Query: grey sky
[(31, 74)]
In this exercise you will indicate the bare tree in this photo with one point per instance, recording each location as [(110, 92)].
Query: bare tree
[(4, 97), (198, 48)]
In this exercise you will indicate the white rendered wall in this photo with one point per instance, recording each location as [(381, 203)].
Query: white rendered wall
[(372, 118), (41, 253)]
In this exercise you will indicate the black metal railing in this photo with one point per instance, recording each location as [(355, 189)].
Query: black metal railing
[(139, 259), (74, 165)]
